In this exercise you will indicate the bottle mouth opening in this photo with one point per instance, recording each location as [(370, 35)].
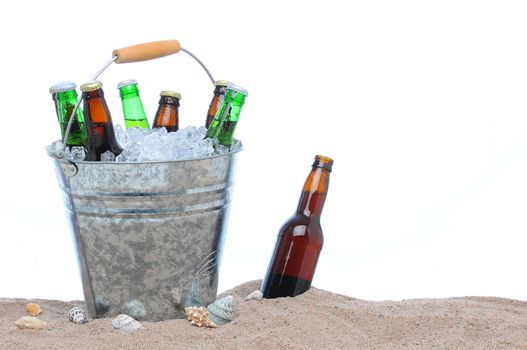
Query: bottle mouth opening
[(323, 162)]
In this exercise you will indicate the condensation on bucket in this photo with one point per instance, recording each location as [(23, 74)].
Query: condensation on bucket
[(149, 236)]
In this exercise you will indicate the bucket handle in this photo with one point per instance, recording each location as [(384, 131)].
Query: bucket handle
[(136, 53), (153, 50), (146, 51)]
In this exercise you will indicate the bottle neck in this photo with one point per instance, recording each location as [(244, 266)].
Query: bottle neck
[(314, 193), (220, 90), (97, 108), (169, 100), (66, 97), (128, 91), (65, 102)]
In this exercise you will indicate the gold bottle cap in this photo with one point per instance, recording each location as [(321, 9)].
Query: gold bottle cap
[(221, 82), (170, 94), (91, 85), (62, 87)]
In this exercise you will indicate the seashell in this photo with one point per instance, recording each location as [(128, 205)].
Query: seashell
[(77, 315), (33, 309), (126, 323), (198, 316), (136, 309), (256, 295), (30, 322), (222, 310)]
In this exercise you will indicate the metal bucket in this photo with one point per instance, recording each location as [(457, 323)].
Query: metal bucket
[(149, 235)]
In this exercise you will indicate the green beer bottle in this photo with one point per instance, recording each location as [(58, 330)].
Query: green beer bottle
[(65, 97), (134, 113), (225, 121)]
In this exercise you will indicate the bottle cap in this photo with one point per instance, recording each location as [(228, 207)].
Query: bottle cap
[(170, 94), (91, 85), (237, 88), (62, 86), (222, 83), (126, 83)]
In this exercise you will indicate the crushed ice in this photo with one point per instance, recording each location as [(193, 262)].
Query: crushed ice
[(57, 150), (140, 145)]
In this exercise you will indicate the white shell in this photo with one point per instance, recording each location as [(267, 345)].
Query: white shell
[(222, 310), (30, 322), (77, 315), (126, 323), (256, 295)]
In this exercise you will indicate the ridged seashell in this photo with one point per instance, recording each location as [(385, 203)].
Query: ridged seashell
[(33, 309), (30, 322), (77, 315), (256, 295), (198, 316), (126, 323), (136, 309), (222, 310)]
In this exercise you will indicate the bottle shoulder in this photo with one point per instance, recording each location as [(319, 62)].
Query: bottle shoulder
[(300, 225)]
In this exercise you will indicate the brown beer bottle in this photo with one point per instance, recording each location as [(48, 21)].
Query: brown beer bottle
[(167, 114), (300, 240), (99, 125), (219, 94)]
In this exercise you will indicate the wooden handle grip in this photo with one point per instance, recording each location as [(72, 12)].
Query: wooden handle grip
[(146, 51)]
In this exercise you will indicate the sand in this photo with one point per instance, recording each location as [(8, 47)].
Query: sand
[(317, 319)]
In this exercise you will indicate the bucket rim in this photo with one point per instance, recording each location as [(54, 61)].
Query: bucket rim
[(84, 162)]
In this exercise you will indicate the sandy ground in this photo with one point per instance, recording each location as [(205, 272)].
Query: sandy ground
[(315, 320)]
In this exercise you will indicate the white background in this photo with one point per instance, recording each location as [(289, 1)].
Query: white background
[(422, 105)]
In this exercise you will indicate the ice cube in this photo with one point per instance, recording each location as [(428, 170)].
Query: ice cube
[(56, 149), (120, 134), (220, 149), (77, 153), (108, 156)]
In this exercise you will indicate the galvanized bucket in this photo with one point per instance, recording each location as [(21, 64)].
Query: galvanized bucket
[(149, 235)]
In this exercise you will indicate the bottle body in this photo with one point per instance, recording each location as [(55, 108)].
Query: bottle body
[(217, 99), (99, 125), (300, 239), (133, 111), (65, 97), (224, 123), (167, 114), (294, 259)]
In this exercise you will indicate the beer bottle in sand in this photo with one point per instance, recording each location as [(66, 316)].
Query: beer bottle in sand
[(300, 240)]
